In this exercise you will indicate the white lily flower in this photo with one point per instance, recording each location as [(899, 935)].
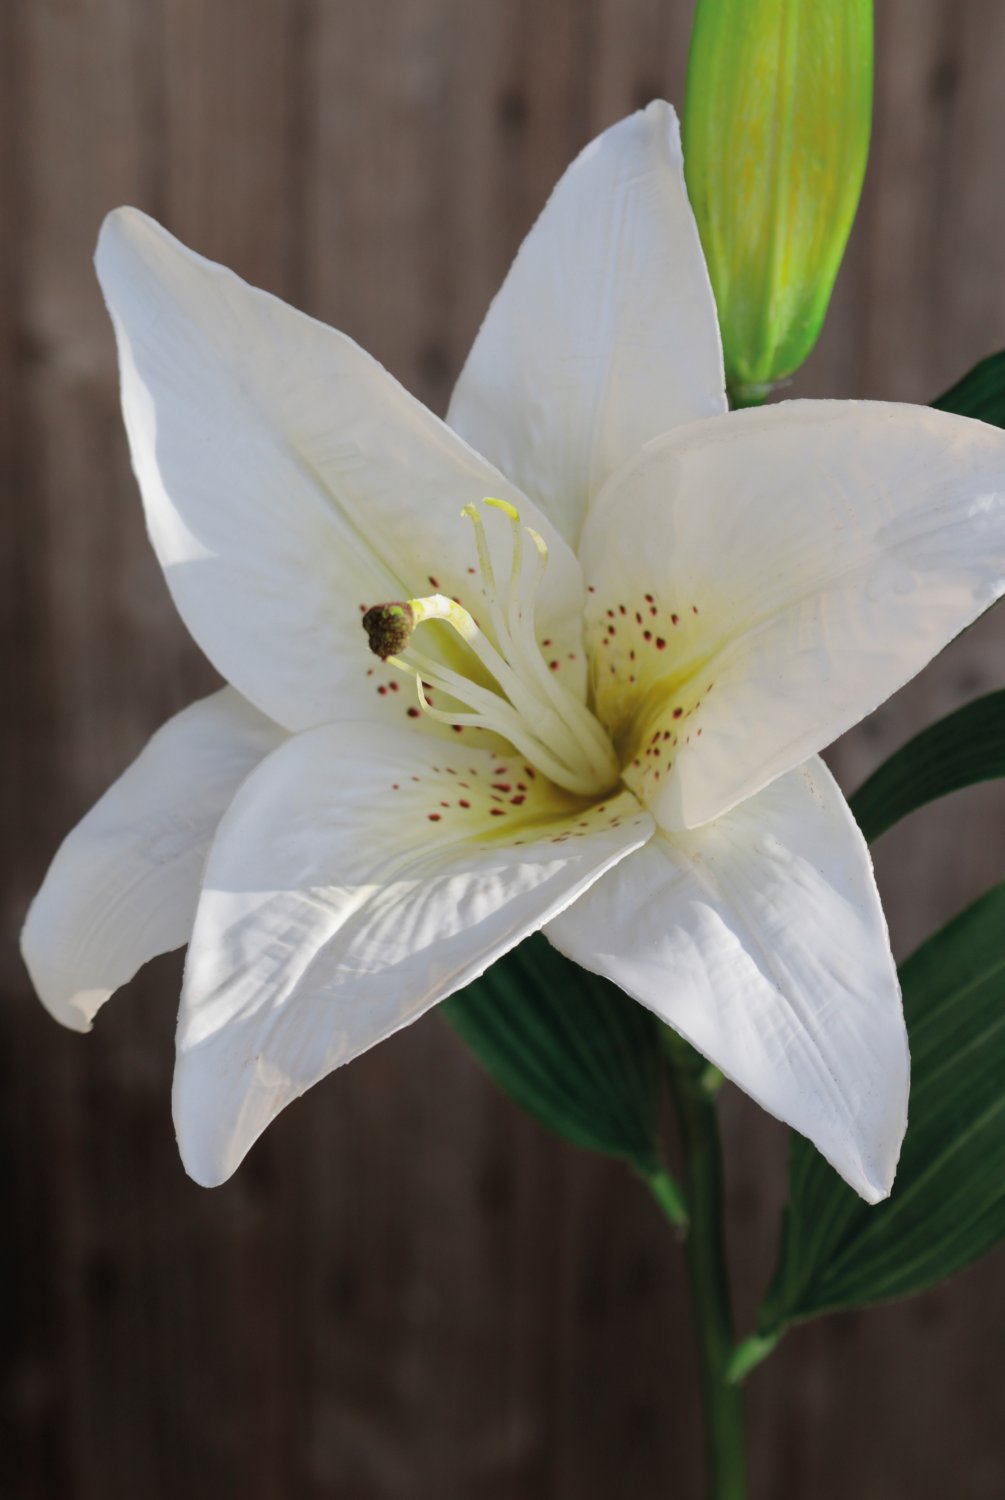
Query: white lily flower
[(625, 623)]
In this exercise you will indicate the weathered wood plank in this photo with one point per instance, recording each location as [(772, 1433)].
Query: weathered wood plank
[(408, 1290)]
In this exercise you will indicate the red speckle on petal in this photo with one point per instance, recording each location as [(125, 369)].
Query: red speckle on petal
[(675, 619), (501, 786), (553, 665), (660, 643), (382, 690), (497, 812), (677, 712), (434, 817), (518, 801), (413, 713), (393, 686), (464, 804), (434, 581)]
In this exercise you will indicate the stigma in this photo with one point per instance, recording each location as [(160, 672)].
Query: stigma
[(517, 695)]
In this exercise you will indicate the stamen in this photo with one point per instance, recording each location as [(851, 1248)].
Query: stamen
[(534, 711), (388, 627)]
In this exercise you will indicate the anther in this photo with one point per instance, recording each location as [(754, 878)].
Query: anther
[(388, 628)]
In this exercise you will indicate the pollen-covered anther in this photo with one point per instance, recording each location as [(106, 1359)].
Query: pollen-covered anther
[(389, 628)]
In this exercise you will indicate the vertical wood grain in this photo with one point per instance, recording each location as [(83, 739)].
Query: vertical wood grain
[(409, 1290)]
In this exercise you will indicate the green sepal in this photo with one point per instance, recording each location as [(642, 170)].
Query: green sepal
[(966, 747), (571, 1048), (948, 1202)]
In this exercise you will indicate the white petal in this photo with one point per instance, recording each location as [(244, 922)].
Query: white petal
[(357, 878), (124, 884), (783, 571), (289, 481), (760, 938), (604, 333)]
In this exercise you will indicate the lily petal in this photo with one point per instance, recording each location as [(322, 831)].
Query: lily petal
[(782, 572), (762, 941), (357, 878), (289, 481), (124, 884), (604, 333)]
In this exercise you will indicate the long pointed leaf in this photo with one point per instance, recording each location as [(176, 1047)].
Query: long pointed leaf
[(576, 1052), (948, 1203), (965, 747), (980, 394)]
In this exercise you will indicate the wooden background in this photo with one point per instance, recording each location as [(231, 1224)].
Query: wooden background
[(409, 1290)]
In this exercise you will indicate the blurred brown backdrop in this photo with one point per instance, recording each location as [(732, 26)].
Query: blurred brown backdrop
[(410, 1290)]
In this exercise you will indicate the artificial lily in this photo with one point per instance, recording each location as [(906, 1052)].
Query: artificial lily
[(608, 627)]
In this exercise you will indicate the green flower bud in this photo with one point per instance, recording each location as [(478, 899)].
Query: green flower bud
[(776, 135)]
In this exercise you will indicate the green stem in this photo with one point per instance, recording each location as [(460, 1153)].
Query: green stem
[(670, 1199), (748, 1355), (741, 396), (705, 1253)]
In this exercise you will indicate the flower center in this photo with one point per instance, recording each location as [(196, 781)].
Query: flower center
[(526, 704)]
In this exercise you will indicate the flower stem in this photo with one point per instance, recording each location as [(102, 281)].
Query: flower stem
[(705, 1253), (741, 396), (670, 1199)]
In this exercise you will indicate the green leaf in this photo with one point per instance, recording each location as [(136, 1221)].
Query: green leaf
[(981, 393), (948, 1202), (963, 748), (571, 1048)]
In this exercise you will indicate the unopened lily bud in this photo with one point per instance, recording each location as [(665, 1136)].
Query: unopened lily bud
[(776, 135)]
